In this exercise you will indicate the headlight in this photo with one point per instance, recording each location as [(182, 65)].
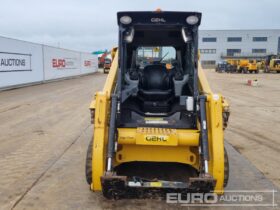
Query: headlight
[(192, 20), (125, 20)]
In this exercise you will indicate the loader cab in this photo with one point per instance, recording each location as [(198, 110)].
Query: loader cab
[(158, 68)]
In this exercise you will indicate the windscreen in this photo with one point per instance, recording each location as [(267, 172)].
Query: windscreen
[(277, 62), (107, 61), (155, 54)]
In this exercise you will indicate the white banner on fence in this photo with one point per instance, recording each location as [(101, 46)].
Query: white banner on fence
[(24, 62), (89, 63), (60, 63), (20, 62)]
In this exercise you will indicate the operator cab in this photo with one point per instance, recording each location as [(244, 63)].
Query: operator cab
[(158, 69)]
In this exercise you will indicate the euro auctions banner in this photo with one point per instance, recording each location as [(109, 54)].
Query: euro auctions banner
[(65, 63), (60, 63), (23, 63), (89, 63), (20, 62), (10, 61)]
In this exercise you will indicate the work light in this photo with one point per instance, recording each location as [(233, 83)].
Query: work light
[(192, 20), (125, 20)]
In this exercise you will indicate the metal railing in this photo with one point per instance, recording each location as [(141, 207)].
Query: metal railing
[(244, 55)]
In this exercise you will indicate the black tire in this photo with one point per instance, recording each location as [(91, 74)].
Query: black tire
[(89, 163), (226, 168), (245, 70), (278, 72)]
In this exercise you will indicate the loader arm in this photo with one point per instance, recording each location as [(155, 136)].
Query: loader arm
[(204, 87), (100, 107)]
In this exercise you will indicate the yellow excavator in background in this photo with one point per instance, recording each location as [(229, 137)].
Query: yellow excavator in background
[(158, 127), (247, 66)]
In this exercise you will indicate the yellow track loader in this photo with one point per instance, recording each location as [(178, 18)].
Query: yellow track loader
[(158, 127), (272, 63)]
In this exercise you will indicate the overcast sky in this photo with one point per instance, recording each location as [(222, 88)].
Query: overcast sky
[(89, 25)]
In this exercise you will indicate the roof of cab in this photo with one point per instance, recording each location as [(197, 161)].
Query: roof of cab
[(159, 18)]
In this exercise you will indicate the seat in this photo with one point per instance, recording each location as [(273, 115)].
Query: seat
[(155, 83)]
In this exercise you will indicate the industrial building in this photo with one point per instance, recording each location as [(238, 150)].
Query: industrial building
[(218, 45)]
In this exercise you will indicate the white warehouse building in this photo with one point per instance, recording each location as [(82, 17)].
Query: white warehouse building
[(218, 45)]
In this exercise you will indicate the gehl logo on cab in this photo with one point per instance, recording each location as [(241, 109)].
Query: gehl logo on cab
[(156, 138), (158, 20)]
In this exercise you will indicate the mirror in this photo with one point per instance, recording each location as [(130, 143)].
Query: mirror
[(129, 34), (186, 36)]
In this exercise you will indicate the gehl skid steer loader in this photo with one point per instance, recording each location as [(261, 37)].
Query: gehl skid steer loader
[(158, 127)]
